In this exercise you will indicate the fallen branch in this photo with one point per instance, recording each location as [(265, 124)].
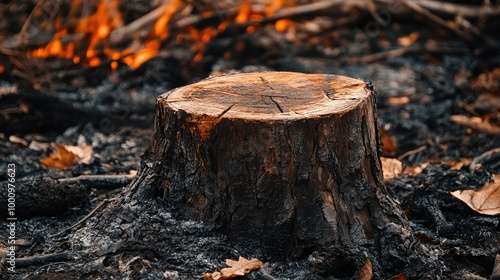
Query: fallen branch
[(402, 51), (41, 259), (409, 153), (492, 156), (476, 124), (100, 181), (432, 17), (454, 9)]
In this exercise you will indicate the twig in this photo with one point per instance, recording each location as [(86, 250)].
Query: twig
[(459, 9), (402, 51), (40, 259), (100, 181), (489, 156), (415, 7), (84, 218), (409, 153), (476, 124)]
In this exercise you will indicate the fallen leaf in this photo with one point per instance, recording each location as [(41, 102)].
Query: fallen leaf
[(406, 41), (413, 171), (457, 165), (489, 80), (85, 153), (388, 143), (401, 276), (454, 164), (485, 200), (391, 168), (400, 100), (60, 159), (366, 272), (237, 268)]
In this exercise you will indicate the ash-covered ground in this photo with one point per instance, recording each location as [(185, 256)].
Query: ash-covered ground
[(113, 112)]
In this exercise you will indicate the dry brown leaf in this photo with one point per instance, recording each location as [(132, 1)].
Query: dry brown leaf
[(391, 168), (85, 153), (400, 100), (413, 171), (388, 143), (485, 200), (401, 276), (406, 41), (60, 159), (457, 165), (237, 268), (366, 272), (489, 80)]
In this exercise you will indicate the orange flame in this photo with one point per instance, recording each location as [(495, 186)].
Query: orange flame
[(2, 69), (106, 18), (97, 29), (243, 13), (282, 25)]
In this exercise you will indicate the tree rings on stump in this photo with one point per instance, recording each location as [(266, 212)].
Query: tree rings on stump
[(280, 161)]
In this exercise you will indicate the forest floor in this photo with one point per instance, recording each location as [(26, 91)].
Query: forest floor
[(420, 95)]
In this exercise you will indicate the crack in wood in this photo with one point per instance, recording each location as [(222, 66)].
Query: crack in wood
[(225, 111), (266, 83), (326, 94), (277, 104)]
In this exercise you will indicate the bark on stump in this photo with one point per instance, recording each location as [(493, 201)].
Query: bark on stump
[(280, 161)]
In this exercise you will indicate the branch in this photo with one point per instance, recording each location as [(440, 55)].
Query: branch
[(460, 10), (402, 51), (41, 259)]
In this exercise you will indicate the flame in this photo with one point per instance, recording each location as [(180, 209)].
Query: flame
[(135, 60), (2, 69), (94, 47), (243, 13), (161, 26), (97, 28), (282, 25)]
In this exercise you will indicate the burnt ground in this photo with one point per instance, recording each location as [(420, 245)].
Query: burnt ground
[(113, 112)]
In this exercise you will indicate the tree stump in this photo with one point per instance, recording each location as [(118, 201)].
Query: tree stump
[(280, 161)]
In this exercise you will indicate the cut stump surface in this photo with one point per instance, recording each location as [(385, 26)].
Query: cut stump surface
[(282, 162)]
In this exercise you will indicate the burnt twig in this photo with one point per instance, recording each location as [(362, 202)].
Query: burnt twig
[(41, 259), (489, 156), (100, 181)]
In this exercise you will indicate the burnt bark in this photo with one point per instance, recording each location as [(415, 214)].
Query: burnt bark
[(280, 162)]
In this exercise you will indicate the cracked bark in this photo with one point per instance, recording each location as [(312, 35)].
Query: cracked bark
[(282, 183)]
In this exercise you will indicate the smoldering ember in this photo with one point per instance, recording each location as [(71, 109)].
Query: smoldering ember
[(257, 139)]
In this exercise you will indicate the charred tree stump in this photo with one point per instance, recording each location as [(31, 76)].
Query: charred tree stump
[(280, 161)]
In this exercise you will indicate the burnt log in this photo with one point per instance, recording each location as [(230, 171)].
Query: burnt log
[(281, 162)]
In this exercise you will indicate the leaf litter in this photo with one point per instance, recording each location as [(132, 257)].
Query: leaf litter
[(237, 268), (486, 200)]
